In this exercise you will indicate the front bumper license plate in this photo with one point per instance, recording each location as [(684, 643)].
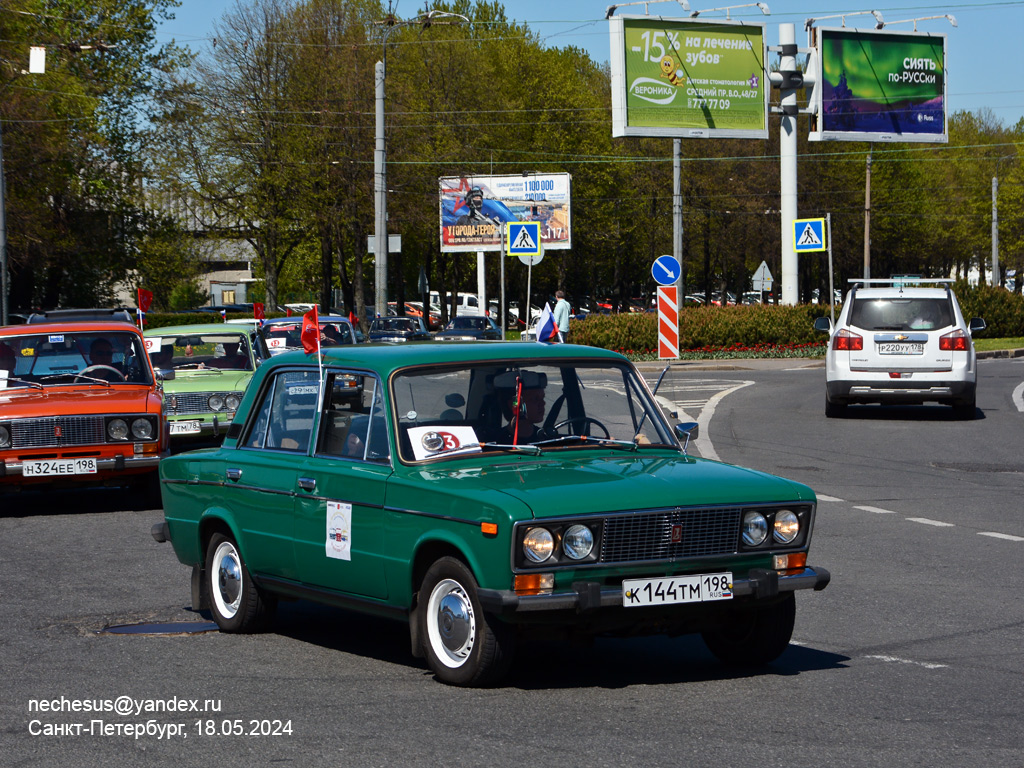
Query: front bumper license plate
[(53, 468), (185, 427), (677, 589), (889, 348)]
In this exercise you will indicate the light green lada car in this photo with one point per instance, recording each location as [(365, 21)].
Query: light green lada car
[(206, 369), (483, 493)]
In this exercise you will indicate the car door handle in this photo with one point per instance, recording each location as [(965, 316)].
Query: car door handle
[(233, 474), (307, 483)]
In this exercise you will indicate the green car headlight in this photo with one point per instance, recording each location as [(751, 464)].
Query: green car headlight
[(216, 403), (755, 528), (538, 544), (787, 526), (578, 542), (231, 401)]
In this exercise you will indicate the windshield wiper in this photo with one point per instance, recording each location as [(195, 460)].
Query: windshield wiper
[(525, 448), (196, 367), (76, 377), (602, 442), (24, 381)]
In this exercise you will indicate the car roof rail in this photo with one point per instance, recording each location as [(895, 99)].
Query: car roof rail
[(866, 281)]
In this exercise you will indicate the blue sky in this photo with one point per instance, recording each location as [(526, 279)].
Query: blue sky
[(984, 62)]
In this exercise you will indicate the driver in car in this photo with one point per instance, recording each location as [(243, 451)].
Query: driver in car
[(521, 396)]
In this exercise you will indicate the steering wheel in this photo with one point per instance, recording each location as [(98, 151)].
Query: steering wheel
[(108, 369), (584, 423)]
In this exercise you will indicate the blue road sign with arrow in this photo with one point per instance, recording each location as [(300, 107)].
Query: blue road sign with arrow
[(665, 270)]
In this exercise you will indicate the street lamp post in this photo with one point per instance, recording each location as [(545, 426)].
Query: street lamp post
[(380, 190)]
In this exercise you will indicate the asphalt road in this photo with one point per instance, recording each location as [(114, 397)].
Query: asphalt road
[(912, 657)]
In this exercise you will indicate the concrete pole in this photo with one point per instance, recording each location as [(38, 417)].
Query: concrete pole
[(481, 282), (867, 219), (787, 163), (677, 212), (996, 276), (5, 293), (380, 201)]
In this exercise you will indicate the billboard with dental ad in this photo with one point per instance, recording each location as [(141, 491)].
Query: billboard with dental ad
[(684, 78), (475, 210), (879, 86)]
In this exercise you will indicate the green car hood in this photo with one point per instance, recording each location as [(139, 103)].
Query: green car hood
[(209, 380), (554, 487)]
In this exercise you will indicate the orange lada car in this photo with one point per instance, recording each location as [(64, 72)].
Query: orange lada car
[(79, 404)]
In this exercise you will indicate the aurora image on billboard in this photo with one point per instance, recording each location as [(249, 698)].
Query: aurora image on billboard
[(684, 78), (881, 86)]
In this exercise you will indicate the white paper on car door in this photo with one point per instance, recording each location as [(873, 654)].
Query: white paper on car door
[(339, 530)]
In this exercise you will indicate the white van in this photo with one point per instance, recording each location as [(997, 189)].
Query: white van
[(468, 304)]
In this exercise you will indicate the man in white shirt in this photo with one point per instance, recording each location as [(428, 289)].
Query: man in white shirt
[(562, 316)]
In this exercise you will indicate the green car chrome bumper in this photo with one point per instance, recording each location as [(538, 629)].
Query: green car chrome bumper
[(760, 584)]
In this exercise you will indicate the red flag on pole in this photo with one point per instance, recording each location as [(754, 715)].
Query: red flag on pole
[(143, 301), (311, 331), (287, 311), (257, 311)]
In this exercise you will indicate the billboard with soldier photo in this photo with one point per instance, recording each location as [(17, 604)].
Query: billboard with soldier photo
[(475, 209)]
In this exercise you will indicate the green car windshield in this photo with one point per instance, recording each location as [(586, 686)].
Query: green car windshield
[(488, 406), (224, 351), (59, 358)]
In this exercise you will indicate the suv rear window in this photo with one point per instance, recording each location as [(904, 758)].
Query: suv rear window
[(901, 314)]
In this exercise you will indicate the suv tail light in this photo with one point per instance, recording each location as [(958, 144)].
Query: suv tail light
[(847, 341), (956, 341)]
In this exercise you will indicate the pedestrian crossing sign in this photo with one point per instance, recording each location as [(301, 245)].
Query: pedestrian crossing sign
[(523, 238), (809, 235)]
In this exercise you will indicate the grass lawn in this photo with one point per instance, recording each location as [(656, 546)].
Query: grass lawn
[(987, 345)]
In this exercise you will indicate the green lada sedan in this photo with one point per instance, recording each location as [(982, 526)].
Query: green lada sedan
[(483, 493), (206, 369)]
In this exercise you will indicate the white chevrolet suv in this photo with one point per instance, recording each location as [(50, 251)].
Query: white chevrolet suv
[(897, 342)]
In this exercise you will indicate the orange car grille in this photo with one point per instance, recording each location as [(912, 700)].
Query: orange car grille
[(57, 431)]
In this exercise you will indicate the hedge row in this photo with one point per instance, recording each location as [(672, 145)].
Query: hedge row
[(706, 327), (770, 325)]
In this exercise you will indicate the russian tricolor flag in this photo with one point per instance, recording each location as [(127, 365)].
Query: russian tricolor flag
[(547, 330)]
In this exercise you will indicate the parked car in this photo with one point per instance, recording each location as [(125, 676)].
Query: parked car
[(79, 315), (79, 405), (483, 492), (284, 334), (211, 366), (898, 341), (398, 329), (432, 320), (469, 328)]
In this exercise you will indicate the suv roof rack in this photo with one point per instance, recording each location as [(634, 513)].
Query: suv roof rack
[(901, 280)]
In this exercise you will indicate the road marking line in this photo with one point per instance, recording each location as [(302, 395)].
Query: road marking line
[(926, 521), (703, 442), (1018, 397), (1006, 536), (877, 510), (823, 497), (897, 660)]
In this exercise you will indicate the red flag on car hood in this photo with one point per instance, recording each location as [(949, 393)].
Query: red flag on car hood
[(310, 332), (257, 311)]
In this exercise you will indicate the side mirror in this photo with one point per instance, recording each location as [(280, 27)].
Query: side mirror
[(687, 431), (164, 374), (823, 324), (977, 324)]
